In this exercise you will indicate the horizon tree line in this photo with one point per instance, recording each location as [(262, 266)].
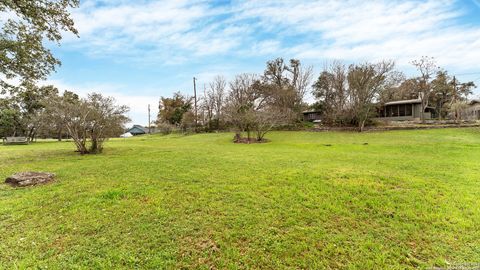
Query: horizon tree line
[(345, 95)]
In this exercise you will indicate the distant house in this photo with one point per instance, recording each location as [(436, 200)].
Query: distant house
[(472, 112), (312, 116), (137, 130), (402, 110)]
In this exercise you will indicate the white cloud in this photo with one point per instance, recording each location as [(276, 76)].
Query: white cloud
[(370, 30), (170, 30)]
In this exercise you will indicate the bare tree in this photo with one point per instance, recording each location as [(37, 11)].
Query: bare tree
[(286, 85), (457, 108), (266, 119), (250, 109), (427, 66), (366, 82), (218, 88), (242, 101), (207, 106), (330, 89), (214, 101)]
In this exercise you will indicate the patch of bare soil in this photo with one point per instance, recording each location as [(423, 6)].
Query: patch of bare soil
[(249, 141), (238, 139)]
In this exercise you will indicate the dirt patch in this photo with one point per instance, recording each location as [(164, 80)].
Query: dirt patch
[(24, 179), (248, 141)]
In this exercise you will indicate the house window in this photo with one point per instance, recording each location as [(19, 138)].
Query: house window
[(408, 110), (395, 110), (401, 110)]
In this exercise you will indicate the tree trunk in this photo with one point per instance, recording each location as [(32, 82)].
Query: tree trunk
[(238, 137)]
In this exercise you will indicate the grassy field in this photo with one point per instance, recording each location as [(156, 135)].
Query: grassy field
[(386, 200)]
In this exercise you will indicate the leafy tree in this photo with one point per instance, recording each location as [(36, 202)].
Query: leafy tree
[(10, 117), (449, 95), (22, 52), (32, 100), (90, 121), (27, 103), (53, 124), (171, 110), (443, 92)]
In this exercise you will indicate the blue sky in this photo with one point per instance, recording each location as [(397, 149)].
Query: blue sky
[(140, 50)]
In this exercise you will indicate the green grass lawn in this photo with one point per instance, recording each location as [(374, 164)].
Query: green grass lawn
[(407, 199)]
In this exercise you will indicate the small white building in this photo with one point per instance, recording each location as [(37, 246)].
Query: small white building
[(126, 135)]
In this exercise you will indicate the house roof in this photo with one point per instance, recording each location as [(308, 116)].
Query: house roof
[(409, 101), (139, 128), (473, 101)]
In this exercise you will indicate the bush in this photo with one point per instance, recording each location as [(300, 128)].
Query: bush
[(166, 128)]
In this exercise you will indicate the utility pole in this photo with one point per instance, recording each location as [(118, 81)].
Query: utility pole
[(195, 97), (455, 96), (149, 125)]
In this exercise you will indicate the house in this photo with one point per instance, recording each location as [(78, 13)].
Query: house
[(137, 130), (403, 110), (312, 116), (472, 112)]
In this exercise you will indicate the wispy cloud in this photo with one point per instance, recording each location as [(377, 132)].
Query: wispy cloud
[(159, 30), (371, 30), (350, 30)]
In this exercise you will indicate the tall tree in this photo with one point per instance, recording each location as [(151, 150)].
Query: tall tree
[(242, 101), (330, 90), (10, 117), (427, 67), (443, 92), (53, 124), (286, 86), (23, 54), (171, 110), (214, 102), (249, 108), (365, 84)]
